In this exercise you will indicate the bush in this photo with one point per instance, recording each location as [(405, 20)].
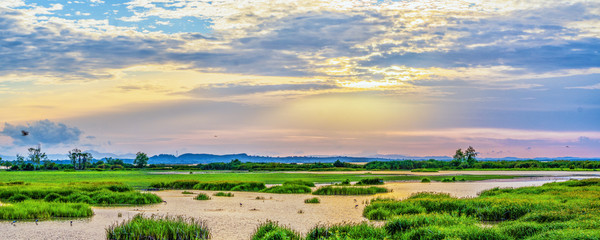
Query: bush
[(155, 227), (425, 180), (202, 196), (370, 181), (312, 200)]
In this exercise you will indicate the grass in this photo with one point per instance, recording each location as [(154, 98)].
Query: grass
[(202, 196), (287, 188), (273, 231), (144, 179), (32, 209), (425, 180), (230, 186), (299, 182), (370, 181), (566, 210), (329, 190), (186, 192), (424, 170), (99, 193), (223, 194), (155, 227), (312, 200)]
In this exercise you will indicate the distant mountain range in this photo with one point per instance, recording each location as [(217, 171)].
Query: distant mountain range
[(194, 158)]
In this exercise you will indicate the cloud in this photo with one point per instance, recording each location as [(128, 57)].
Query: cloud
[(234, 89), (42, 132)]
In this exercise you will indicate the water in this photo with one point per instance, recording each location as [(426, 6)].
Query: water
[(228, 220)]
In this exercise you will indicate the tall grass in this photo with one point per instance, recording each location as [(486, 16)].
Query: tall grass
[(32, 209), (288, 188), (273, 231), (312, 200), (90, 193), (223, 194), (329, 190), (346, 231), (370, 181), (299, 182), (155, 227), (230, 186)]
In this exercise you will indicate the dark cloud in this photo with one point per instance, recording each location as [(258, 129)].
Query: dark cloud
[(41, 132)]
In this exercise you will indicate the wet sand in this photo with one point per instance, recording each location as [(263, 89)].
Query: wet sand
[(227, 219)]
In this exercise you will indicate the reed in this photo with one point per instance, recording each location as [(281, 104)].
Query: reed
[(158, 227), (272, 230)]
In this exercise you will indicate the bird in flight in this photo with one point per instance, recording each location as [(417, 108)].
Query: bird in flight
[(24, 133)]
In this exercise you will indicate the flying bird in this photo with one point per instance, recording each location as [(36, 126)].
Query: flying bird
[(24, 133)]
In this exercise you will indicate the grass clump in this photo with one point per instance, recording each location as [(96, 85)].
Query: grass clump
[(288, 189), (299, 182), (347, 231), (178, 184), (202, 196), (329, 190), (32, 209), (223, 194), (312, 200), (424, 170), (272, 231), (187, 192), (425, 180), (155, 227), (370, 181), (230, 186)]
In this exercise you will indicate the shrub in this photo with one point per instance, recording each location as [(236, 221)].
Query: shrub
[(202, 196), (312, 200), (155, 227), (370, 181), (425, 180)]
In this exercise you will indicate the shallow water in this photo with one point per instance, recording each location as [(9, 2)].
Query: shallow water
[(228, 219)]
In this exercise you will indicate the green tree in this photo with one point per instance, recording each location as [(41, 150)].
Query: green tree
[(74, 155), (470, 155), (141, 159), (338, 163), (79, 159), (458, 158), (36, 155)]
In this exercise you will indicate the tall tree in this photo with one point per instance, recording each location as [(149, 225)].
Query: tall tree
[(458, 158), (36, 155), (141, 159), (470, 155), (74, 155)]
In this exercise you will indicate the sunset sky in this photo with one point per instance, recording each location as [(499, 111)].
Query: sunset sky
[(358, 78)]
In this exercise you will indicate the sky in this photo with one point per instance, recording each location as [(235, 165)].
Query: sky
[(511, 78)]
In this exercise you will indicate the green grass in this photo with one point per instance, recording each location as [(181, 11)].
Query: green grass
[(99, 193), (32, 209), (299, 182), (273, 231), (346, 231), (202, 196), (424, 170), (312, 200), (230, 186), (223, 194), (186, 192), (143, 179), (370, 181), (329, 190), (425, 180), (289, 189), (166, 228)]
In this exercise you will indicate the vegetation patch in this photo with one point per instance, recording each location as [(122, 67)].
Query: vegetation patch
[(155, 227), (348, 231), (187, 192), (290, 189), (272, 231), (370, 181), (312, 200), (202, 196), (330, 190), (230, 186), (299, 182), (425, 180), (32, 209), (223, 194), (102, 193)]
